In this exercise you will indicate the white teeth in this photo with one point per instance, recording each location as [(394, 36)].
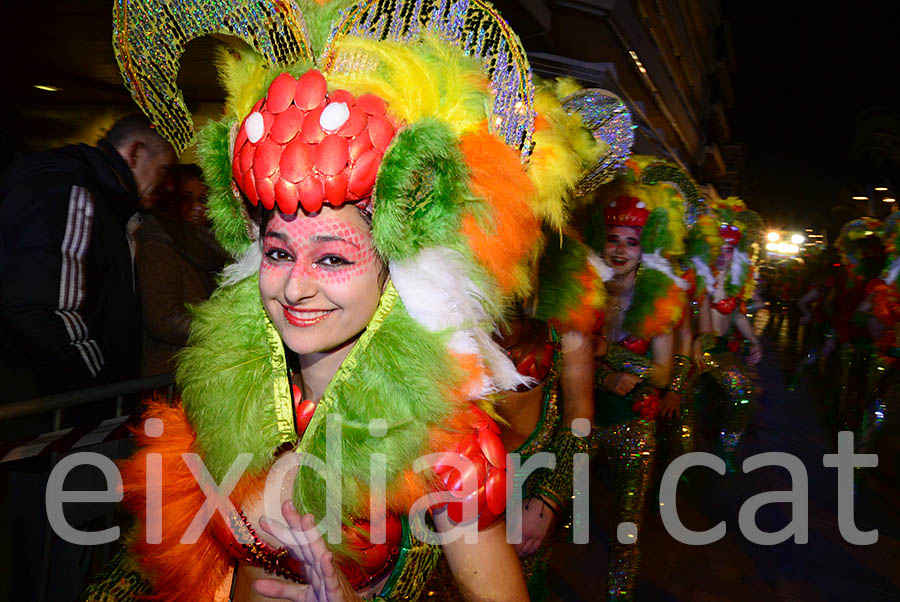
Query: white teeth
[(308, 315)]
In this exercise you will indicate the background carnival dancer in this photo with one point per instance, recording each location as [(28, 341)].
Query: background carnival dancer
[(882, 302), (863, 258), (400, 189), (719, 247), (638, 231)]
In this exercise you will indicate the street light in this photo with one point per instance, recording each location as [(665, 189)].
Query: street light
[(888, 199), (860, 198), (797, 239), (773, 236), (881, 189)]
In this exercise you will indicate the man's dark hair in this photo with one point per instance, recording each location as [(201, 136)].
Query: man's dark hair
[(133, 126)]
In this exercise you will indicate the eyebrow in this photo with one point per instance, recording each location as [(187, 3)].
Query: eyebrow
[(315, 239)]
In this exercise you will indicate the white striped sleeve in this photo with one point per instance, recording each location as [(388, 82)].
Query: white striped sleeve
[(79, 223)]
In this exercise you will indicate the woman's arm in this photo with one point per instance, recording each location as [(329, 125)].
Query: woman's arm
[(743, 325), (577, 378), (661, 348), (803, 303), (486, 571)]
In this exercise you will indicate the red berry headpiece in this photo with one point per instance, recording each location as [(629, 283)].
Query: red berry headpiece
[(731, 235), (304, 145), (626, 211)]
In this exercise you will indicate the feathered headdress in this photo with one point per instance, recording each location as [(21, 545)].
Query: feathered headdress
[(425, 115), (728, 221), (849, 244)]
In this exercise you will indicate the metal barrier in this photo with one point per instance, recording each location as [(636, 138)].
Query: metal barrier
[(62, 440)]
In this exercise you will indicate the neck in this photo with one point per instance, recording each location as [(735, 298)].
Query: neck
[(622, 284), (318, 369)]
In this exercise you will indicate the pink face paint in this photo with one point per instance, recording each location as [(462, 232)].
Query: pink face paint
[(321, 248)]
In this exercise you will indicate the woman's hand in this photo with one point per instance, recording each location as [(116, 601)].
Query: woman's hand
[(302, 538), (697, 354), (621, 383), (537, 517), (755, 354), (670, 406)]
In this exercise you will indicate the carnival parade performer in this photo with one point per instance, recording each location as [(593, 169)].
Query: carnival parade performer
[(883, 380), (862, 257), (385, 204), (719, 246), (638, 231)]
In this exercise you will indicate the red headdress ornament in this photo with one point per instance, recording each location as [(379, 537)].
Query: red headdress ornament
[(626, 211), (304, 145), (730, 234)]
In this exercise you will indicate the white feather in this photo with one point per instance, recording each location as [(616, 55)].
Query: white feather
[(439, 294), (246, 265), (604, 271), (655, 261), (893, 271), (703, 271), (737, 265)]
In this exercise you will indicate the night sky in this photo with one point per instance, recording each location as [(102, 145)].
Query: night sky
[(804, 76)]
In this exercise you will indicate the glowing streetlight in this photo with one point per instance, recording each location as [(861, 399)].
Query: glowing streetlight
[(888, 199), (771, 246), (860, 198), (797, 239), (773, 236), (881, 189)]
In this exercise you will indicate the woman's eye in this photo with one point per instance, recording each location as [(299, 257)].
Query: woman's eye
[(333, 261), (633, 243), (278, 255)]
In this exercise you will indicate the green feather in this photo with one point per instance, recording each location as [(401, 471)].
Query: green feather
[(655, 234), (225, 210), (419, 192), (397, 372), (649, 285), (227, 377), (558, 288)]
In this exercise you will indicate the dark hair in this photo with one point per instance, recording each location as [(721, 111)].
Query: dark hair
[(131, 127)]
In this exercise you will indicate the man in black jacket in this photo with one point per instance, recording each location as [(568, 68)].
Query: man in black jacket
[(69, 314)]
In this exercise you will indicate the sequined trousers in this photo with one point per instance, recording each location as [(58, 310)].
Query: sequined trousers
[(739, 395), (630, 449)]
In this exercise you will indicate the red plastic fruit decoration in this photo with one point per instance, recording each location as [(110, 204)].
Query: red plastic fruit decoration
[(482, 448), (646, 404), (303, 146)]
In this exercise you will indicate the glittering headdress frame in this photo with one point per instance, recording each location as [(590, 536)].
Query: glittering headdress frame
[(608, 119), (149, 38), (474, 26)]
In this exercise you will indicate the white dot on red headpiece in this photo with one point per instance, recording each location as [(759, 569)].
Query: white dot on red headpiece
[(254, 126), (641, 205), (334, 116)]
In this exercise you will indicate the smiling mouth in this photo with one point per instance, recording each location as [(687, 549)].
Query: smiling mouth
[(303, 318), (618, 261)]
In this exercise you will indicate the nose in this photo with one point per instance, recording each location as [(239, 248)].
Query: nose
[(300, 284)]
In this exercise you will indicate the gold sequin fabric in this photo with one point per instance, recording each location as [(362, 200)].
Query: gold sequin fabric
[(117, 582), (630, 448), (739, 394)]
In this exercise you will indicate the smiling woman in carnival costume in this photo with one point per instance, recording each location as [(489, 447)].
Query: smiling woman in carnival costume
[(719, 246), (638, 230), (398, 171)]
